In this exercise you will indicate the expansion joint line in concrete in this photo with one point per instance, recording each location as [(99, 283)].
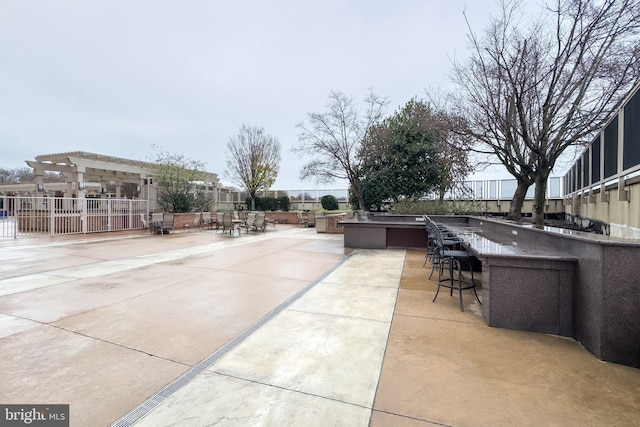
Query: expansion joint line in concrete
[(51, 325), (430, 422), (154, 401), (289, 389)]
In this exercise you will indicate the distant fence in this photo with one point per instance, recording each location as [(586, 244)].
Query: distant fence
[(299, 199), (38, 216), (51, 216), (502, 189), (483, 190)]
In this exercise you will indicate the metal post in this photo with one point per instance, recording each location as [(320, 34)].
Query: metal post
[(130, 203), (52, 220), (15, 217), (109, 216)]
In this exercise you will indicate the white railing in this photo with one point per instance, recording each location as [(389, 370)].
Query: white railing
[(492, 190), (42, 216)]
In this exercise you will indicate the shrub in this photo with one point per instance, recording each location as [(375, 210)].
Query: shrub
[(284, 203), (269, 203), (247, 202), (329, 203), (176, 202)]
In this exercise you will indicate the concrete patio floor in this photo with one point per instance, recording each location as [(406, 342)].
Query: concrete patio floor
[(286, 328)]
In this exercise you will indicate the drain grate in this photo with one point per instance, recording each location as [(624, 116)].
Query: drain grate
[(154, 401)]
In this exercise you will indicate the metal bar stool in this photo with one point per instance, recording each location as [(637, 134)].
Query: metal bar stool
[(454, 259)]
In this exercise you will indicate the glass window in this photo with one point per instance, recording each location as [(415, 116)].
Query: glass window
[(554, 188), (310, 196), (508, 188), (611, 148), (479, 194), (493, 189), (339, 194), (530, 192)]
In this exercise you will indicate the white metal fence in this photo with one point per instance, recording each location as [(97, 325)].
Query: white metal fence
[(42, 216), (494, 189)]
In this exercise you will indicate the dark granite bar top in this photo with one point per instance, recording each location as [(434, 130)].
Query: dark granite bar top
[(584, 235), (383, 224), (388, 219), (482, 244)]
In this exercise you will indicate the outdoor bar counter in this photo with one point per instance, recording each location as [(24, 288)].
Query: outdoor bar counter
[(524, 286), (550, 280), (385, 231)]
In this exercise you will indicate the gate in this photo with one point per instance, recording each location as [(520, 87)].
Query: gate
[(52, 216)]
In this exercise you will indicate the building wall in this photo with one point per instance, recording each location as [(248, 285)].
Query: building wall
[(619, 210)]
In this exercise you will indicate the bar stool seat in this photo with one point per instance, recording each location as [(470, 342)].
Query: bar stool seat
[(454, 260), (449, 253)]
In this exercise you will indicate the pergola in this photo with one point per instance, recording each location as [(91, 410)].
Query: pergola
[(80, 167), (83, 170)]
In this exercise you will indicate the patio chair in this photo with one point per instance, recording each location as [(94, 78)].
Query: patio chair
[(146, 225), (156, 222), (208, 221), (311, 219), (157, 216), (168, 219), (302, 220), (249, 222), (273, 220), (229, 224), (193, 225), (260, 224)]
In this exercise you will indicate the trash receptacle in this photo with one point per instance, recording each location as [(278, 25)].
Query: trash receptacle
[(321, 224)]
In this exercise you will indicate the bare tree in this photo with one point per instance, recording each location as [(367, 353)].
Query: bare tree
[(453, 151), (253, 160), (26, 176), (533, 88), (14, 176), (333, 140), (22, 175)]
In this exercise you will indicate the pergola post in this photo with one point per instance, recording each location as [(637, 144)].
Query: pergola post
[(118, 189)]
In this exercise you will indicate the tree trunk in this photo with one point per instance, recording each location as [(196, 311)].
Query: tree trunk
[(539, 201), (515, 209), (358, 193)]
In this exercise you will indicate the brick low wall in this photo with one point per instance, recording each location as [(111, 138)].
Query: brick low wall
[(332, 224), (179, 220)]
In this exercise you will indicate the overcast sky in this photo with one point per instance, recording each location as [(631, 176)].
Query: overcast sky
[(116, 77)]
